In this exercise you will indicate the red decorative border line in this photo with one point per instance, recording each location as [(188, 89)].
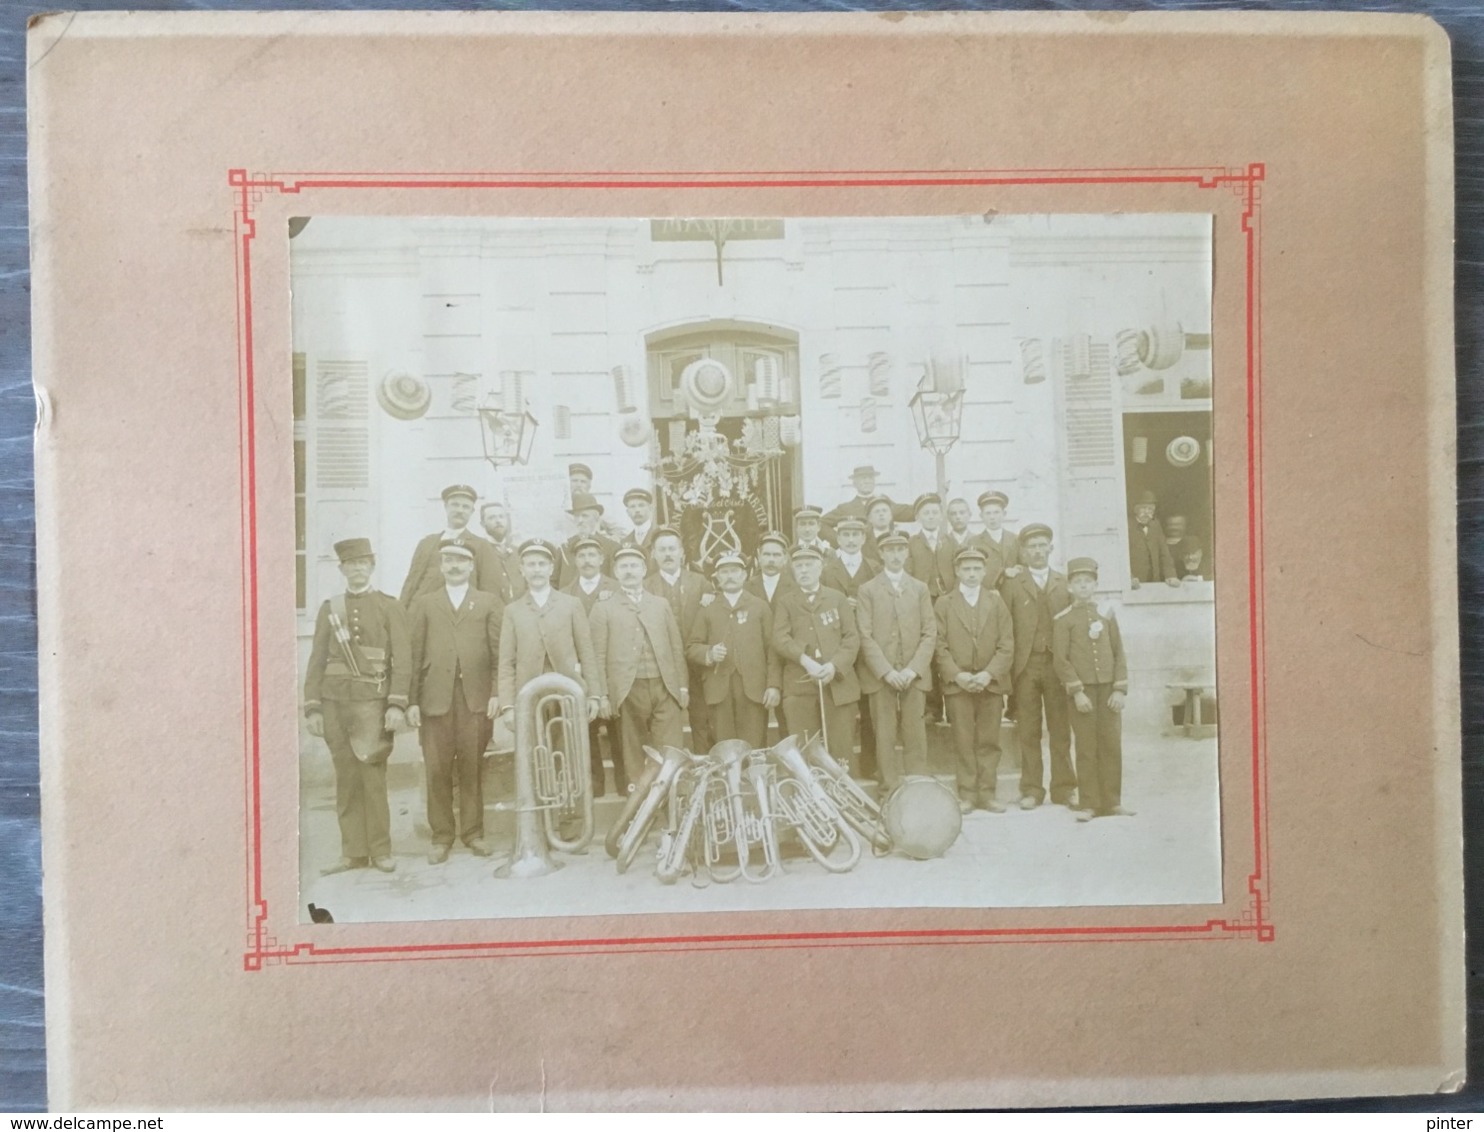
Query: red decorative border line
[(263, 948)]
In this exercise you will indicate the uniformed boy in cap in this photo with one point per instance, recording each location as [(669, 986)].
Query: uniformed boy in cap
[(426, 572), (355, 695), (976, 645), (1088, 652), (731, 645), (642, 659), (455, 649), (814, 632), (898, 632), (1000, 546), (1035, 596)]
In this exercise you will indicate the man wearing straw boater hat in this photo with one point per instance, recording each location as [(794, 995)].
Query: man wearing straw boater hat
[(731, 645), (455, 645), (814, 632), (641, 657), (355, 695), (425, 575)]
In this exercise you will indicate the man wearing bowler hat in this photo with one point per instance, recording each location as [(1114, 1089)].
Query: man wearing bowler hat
[(898, 632), (641, 655), (455, 646), (1035, 596), (355, 696), (426, 572), (588, 512), (731, 645), (1149, 554), (1001, 547), (976, 646), (814, 632)]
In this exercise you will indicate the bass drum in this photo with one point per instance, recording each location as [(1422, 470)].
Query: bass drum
[(922, 817)]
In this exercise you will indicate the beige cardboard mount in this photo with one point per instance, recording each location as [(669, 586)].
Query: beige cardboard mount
[(167, 154)]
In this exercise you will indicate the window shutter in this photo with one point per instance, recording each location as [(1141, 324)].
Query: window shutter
[(342, 435), (1087, 402)]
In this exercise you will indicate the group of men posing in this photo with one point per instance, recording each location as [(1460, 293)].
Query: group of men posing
[(870, 628)]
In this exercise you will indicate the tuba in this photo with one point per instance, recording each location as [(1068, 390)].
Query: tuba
[(687, 820), (670, 764), (854, 804), (551, 774), (726, 809), (802, 804)]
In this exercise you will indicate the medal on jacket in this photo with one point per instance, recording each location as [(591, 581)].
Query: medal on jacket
[(1095, 629), (741, 617), (829, 617)]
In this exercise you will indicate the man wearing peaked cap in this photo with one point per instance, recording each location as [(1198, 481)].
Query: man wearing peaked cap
[(730, 646), (1087, 650), (587, 511), (425, 575), (898, 633), (355, 696), (687, 593), (1035, 596), (849, 567), (1000, 546), (590, 587), (975, 648), (642, 658), (806, 530), (773, 576), (455, 635), (579, 480), (639, 503), (930, 552)]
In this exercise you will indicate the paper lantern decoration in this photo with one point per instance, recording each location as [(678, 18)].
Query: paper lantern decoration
[(561, 422), (512, 391), (1032, 361), (1183, 451), (1077, 357), (402, 396), (868, 415), (465, 398), (634, 430), (623, 388), (766, 383), (770, 439), (1161, 345), (1126, 346), (1141, 450), (789, 432), (829, 377), (878, 369)]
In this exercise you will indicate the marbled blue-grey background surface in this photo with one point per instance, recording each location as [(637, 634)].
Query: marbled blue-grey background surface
[(22, 1035)]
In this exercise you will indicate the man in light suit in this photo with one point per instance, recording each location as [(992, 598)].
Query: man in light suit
[(642, 659), (590, 587), (425, 575), (976, 645), (898, 632), (1035, 596), (814, 632), (455, 635), (688, 593), (731, 644), (545, 631)]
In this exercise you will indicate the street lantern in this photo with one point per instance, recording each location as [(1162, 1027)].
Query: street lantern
[(507, 434), (938, 417)]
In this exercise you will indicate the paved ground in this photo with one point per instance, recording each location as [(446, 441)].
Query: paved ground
[(1169, 853)]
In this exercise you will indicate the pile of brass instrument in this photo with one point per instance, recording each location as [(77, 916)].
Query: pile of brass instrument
[(726, 813)]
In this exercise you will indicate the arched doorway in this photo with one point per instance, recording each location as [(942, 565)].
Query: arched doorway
[(756, 410)]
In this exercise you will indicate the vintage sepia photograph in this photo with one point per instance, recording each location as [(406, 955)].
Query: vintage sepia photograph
[(717, 564)]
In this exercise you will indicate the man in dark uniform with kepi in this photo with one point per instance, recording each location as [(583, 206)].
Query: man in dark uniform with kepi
[(455, 648), (426, 573), (355, 695), (1035, 596), (731, 645), (1088, 653)]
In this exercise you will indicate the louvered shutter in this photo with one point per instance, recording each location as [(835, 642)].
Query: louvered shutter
[(1092, 503)]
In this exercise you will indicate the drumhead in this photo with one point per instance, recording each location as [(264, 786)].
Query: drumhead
[(922, 817)]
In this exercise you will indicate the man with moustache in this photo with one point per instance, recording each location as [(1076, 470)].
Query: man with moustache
[(975, 647), (455, 635), (426, 573), (587, 511), (642, 658), (806, 530), (771, 578), (731, 645), (898, 632), (355, 697), (639, 503), (1036, 596), (687, 593), (849, 568), (590, 587), (814, 632)]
